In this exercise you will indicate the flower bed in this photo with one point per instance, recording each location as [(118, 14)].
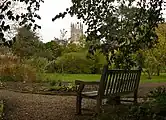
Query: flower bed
[(59, 88)]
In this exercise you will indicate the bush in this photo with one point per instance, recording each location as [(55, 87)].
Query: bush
[(77, 62), (98, 62), (59, 87), (38, 62), (51, 67), (73, 63), (18, 72), (12, 69), (153, 109)]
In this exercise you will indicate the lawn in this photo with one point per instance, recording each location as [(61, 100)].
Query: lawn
[(94, 77)]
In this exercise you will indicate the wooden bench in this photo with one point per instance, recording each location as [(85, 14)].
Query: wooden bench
[(113, 83)]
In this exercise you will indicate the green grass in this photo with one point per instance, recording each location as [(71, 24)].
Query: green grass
[(72, 77), (94, 77), (161, 78)]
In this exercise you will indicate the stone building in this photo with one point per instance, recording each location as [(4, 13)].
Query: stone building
[(76, 33)]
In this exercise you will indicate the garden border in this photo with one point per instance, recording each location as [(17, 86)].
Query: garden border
[(43, 93)]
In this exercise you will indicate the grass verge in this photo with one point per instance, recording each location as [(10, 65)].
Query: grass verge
[(95, 77)]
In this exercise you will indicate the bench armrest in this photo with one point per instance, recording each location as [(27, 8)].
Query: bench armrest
[(81, 84), (78, 82)]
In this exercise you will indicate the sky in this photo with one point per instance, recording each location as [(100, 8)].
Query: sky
[(51, 29)]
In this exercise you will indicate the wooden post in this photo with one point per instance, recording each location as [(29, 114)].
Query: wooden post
[(98, 107), (135, 96), (78, 104), (79, 99)]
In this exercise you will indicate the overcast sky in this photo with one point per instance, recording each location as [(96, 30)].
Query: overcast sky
[(51, 29)]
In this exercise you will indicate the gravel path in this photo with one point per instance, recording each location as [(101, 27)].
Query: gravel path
[(21, 106)]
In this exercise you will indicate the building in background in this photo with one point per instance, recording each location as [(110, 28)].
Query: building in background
[(76, 33)]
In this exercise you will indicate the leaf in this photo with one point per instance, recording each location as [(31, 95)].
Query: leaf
[(9, 13), (17, 17), (4, 8), (1, 35), (7, 27), (33, 20), (2, 16), (3, 23), (8, 3), (38, 17)]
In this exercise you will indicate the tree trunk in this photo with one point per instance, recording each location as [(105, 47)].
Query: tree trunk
[(158, 71), (149, 75)]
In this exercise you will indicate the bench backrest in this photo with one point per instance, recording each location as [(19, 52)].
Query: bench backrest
[(118, 82)]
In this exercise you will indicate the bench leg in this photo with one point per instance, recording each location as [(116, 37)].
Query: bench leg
[(117, 100), (135, 98), (98, 107), (78, 104)]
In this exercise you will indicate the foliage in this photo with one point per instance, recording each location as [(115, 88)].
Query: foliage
[(153, 108), (94, 63), (98, 62), (37, 62), (27, 43), (12, 69), (155, 58), (25, 17), (51, 67), (4, 50), (73, 63), (118, 27), (69, 88), (71, 47), (54, 49)]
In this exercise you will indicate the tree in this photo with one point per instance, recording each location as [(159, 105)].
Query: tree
[(62, 34), (155, 58), (71, 47), (27, 43), (54, 48), (24, 18), (121, 29)]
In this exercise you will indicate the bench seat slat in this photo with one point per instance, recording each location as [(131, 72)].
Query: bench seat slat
[(95, 93)]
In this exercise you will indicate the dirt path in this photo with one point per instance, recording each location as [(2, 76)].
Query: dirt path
[(21, 106)]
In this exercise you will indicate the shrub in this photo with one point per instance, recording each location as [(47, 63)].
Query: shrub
[(12, 69), (73, 63), (18, 72), (98, 61), (38, 62), (77, 62), (153, 109), (51, 67), (68, 88)]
